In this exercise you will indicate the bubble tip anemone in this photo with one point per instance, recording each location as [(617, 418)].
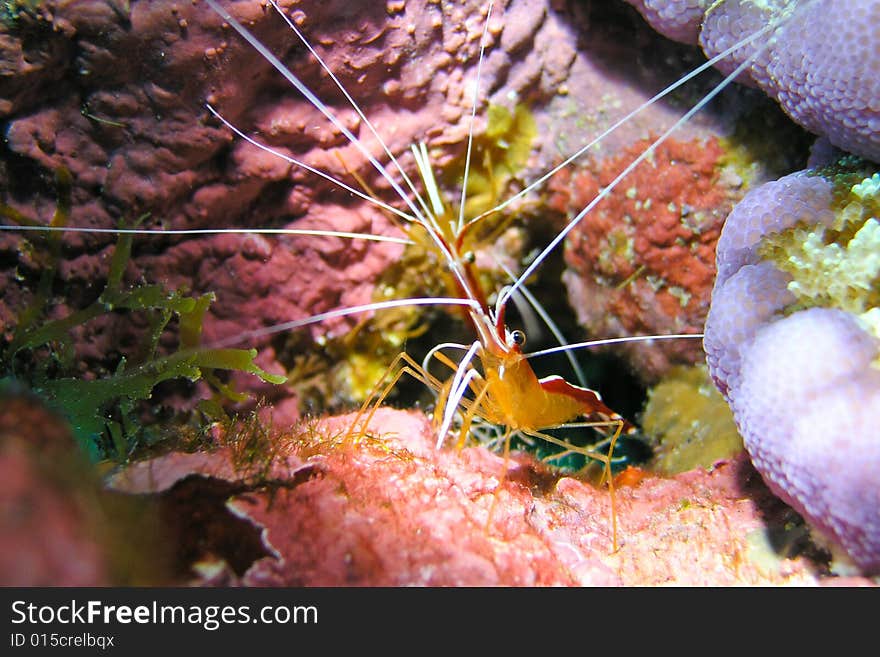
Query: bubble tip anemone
[(789, 341)]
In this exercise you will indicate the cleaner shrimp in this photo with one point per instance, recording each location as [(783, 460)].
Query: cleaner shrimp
[(492, 383)]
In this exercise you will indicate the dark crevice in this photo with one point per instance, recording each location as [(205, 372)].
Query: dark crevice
[(203, 528)]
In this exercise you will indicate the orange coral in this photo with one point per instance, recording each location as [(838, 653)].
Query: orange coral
[(643, 261)]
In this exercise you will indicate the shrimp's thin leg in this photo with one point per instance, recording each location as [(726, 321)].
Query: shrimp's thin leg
[(479, 387), (393, 373), (382, 389), (508, 434), (605, 459)]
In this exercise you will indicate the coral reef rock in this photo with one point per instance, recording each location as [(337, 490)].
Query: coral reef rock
[(389, 509), (643, 262)]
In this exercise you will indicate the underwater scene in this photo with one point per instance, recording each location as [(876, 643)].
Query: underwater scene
[(439, 293)]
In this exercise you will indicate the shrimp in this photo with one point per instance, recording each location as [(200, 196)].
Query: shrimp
[(493, 381)]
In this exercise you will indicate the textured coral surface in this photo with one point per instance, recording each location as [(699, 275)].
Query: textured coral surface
[(396, 511), (817, 443), (643, 263), (820, 70), (676, 19), (819, 65)]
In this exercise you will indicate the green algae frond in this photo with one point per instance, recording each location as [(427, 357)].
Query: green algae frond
[(102, 408)]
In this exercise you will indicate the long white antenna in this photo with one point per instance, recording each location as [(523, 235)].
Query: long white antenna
[(644, 155), (354, 105), (423, 162), (665, 92), (210, 231), (318, 172), (341, 312), (606, 341), (316, 102), (467, 159)]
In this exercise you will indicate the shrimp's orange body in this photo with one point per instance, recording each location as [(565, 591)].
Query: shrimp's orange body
[(518, 399), (514, 395)]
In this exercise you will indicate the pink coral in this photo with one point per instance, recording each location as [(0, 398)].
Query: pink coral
[(760, 291), (137, 139), (392, 510)]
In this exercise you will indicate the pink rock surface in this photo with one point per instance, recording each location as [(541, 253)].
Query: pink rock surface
[(59, 526), (47, 520), (44, 541), (392, 510)]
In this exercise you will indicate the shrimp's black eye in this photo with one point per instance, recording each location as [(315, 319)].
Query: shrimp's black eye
[(518, 337)]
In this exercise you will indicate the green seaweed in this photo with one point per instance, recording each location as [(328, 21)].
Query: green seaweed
[(102, 410)]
